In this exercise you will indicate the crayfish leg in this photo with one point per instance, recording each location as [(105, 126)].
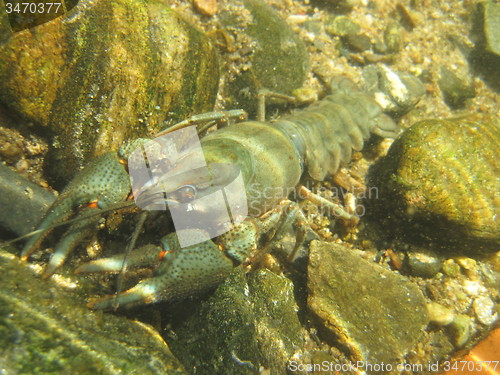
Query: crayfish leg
[(76, 234), (276, 222), (143, 257)]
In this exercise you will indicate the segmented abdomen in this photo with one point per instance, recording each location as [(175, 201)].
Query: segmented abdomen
[(326, 132), (273, 156)]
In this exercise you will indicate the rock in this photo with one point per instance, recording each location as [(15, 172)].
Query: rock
[(439, 182), (358, 42), (378, 315), (23, 203), (450, 268), (485, 57), (423, 263), (396, 93), (107, 71), (488, 26), (393, 37), (206, 7), (455, 89), (274, 57), (45, 329), (484, 308), (439, 314), (461, 330), (249, 325), (341, 26)]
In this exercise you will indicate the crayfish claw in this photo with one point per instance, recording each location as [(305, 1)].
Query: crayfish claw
[(180, 272), (103, 183)]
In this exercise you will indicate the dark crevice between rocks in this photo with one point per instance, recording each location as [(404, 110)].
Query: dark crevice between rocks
[(23, 15)]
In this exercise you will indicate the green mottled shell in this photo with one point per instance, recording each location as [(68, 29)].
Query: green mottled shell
[(108, 71), (46, 329), (443, 178)]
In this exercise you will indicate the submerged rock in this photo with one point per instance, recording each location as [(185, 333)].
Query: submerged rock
[(272, 56), (456, 90), (396, 93), (488, 26), (376, 314), (250, 325), (440, 182), (107, 71), (45, 329), (23, 202)]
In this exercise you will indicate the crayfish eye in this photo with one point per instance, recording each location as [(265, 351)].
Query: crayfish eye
[(186, 193)]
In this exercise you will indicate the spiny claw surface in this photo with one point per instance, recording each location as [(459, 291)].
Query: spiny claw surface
[(104, 181), (179, 272)]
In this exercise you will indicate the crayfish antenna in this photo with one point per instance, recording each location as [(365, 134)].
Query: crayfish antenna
[(131, 245), (88, 215)]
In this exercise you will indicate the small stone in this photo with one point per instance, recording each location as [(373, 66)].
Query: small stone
[(455, 89), (473, 288), (484, 308), (10, 150), (341, 26), (407, 19), (22, 165), (467, 263), (450, 268), (379, 46), (396, 93), (206, 7), (305, 95), (439, 314), (358, 42), (423, 264), (393, 38), (461, 330), (347, 4)]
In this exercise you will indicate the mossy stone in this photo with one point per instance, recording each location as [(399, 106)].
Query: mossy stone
[(277, 57), (107, 71), (45, 329), (249, 324), (455, 89), (376, 314), (440, 181)]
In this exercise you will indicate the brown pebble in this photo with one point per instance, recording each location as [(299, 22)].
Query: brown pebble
[(206, 7), (406, 19), (9, 150), (22, 165)]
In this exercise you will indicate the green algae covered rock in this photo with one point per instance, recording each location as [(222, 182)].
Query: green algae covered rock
[(377, 314), (456, 90), (245, 325), (440, 181), (489, 25), (45, 329), (107, 71), (275, 58)]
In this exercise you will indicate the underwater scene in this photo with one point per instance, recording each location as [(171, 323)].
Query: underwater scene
[(250, 187)]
